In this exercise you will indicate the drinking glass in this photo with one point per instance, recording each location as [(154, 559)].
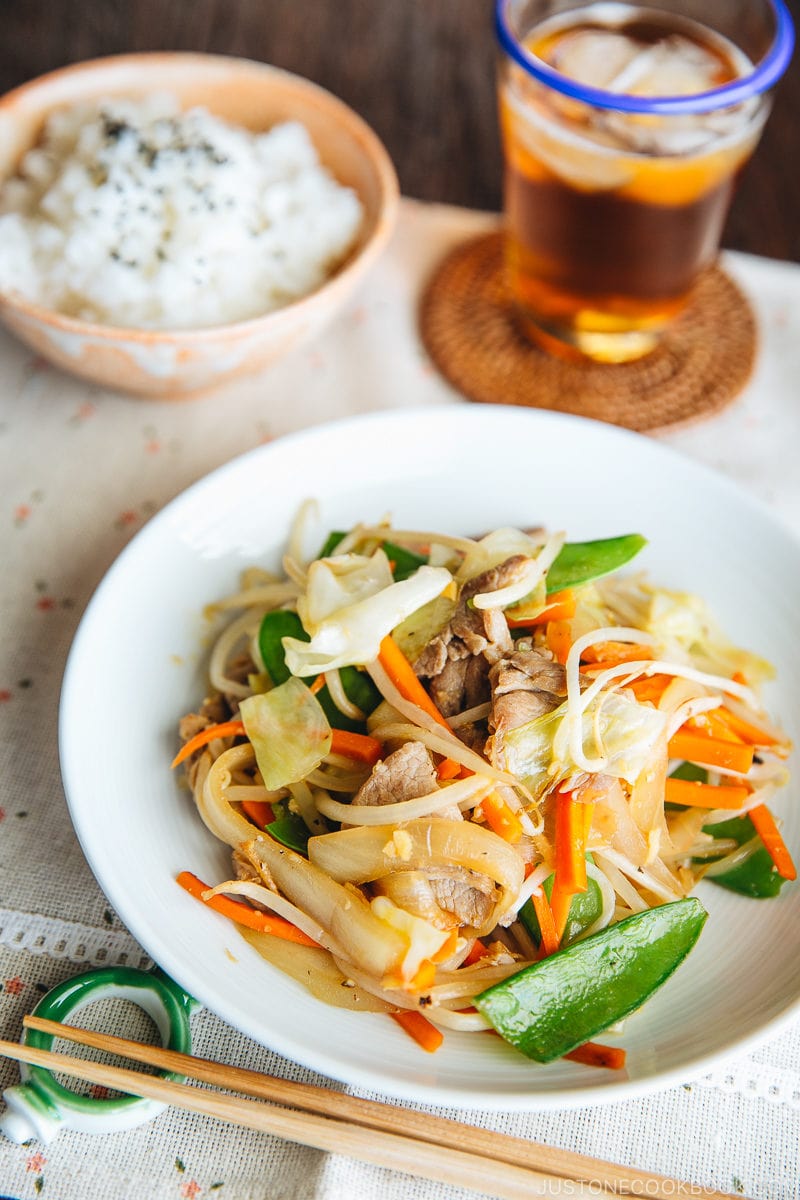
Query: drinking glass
[(625, 129)]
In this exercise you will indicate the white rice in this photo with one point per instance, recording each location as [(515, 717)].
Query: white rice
[(138, 215)]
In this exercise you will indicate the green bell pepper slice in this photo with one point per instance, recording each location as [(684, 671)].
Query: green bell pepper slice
[(563, 1000)]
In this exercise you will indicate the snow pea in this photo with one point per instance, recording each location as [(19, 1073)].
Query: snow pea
[(288, 828), (757, 876), (581, 562), (404, 561), (331, 542), (359, 688), (563, 1000), (584, 910)]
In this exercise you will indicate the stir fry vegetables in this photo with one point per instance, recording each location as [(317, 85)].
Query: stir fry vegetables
[(471, 783)]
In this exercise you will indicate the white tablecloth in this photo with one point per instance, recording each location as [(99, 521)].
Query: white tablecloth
[(81, 472)]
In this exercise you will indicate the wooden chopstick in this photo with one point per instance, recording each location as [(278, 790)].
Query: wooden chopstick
[(388, 1150), (369, 1113), (404, 1140)]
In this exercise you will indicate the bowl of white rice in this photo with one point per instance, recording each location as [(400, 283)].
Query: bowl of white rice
[(171, 221)]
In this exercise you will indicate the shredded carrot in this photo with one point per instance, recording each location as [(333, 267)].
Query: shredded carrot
[(698, 747), (476, 953), (705, 795), (448, 768), (592, 1054), (547, 926), (559, 639), (401, 673), (501, 819), (776, 847), (650, 688), (560, 901), (359, 746), (424, 978), (560, 607), (570, 873), (243, 914), (259, 812), (610, 654), (318, 684), (710, 725), (224, 729), (570, 844), (744, 730), (419, 1028), (447, 948)]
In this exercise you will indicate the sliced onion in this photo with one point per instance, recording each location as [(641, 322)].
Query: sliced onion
[(216, 811), (315, 970), (360, 855), (343, 913), (460, 1021), (463, 791)]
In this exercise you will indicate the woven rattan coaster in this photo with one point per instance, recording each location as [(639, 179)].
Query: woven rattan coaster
[(469, 330)]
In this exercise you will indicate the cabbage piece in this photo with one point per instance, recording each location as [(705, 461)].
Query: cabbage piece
[(683, 622), (350, 633), (289, 732), (340, 581), (422, 626), (615, 729)]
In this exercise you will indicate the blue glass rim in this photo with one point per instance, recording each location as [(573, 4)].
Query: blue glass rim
[(765, 75)]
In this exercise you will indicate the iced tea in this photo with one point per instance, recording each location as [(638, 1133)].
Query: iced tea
[(612, 215)]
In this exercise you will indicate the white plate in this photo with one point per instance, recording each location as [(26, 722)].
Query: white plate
[(137, 665)]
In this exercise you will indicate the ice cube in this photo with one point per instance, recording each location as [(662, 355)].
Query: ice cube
[(612, 60), (676, 67), (594, 57)]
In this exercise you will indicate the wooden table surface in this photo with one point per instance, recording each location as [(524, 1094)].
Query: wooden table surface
[(420, 71)]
